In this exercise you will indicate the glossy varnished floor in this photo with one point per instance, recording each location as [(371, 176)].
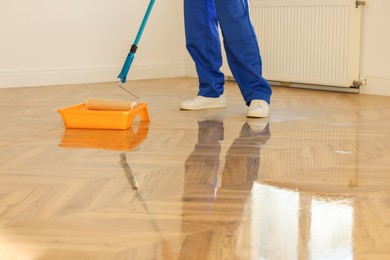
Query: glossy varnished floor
[(310, 182)]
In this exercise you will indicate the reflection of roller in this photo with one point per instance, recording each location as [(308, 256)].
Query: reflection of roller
[(129, 174), (134, 186), (109, 104)]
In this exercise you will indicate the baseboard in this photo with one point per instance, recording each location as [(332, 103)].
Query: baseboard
[(376, 85), (80, 75)]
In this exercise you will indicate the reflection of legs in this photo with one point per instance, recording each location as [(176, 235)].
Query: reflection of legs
[(202, 165), (242, 164), (204, 233), (201, 169), (243, 158)]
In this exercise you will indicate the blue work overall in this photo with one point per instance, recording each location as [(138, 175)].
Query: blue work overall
[(240, 42)]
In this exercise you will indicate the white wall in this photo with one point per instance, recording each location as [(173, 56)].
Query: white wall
[(46, 42), (375, 57)]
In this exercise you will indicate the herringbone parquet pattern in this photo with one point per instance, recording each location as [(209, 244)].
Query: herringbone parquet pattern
[(310, 182)]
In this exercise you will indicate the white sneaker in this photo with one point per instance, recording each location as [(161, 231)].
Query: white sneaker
[(201, 102), (258, 108)]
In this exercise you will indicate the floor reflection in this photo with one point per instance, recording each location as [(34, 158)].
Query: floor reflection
[(116, 140), (128, 172), (331, 229), (241, 162), (287, 224), (260, 221), (203, 189)]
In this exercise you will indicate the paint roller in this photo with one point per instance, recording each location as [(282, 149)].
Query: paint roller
[(103, 104)]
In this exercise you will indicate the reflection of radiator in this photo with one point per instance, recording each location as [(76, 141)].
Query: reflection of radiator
[(308, 41), (320, 160)]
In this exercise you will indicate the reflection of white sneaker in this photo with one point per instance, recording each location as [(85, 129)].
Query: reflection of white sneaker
[(257, 126), (258, 108), (201, 102)]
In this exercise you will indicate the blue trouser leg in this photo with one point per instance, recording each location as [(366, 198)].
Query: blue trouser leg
[(242, 49), (241, 46), (203, 44)]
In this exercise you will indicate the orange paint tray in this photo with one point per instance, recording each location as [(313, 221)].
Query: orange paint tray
[(77, 116)]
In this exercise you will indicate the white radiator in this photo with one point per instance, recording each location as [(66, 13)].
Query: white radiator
[(308, 41)]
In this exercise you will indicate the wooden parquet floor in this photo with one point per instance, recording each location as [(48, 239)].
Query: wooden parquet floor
[(310, 182)]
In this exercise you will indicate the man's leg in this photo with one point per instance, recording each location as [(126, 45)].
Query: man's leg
[(242, 49), (203, 44)]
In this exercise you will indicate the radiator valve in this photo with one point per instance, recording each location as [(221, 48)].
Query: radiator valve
[(360, 3), (359, 83)]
